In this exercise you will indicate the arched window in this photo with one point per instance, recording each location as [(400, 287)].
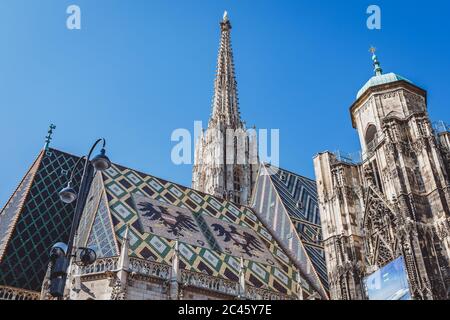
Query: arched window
[(371, 134)]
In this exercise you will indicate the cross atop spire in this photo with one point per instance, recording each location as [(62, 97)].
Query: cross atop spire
[(49, 137), (225, 101), (376, 63)]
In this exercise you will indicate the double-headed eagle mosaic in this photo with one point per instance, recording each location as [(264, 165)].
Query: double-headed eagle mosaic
[(246, 242), (167, 220), (175, 222)]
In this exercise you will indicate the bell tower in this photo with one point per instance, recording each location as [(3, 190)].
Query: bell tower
[(395, 201)]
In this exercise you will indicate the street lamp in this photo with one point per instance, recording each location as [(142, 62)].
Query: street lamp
[(68, 194), (61, 253), (101, 161)]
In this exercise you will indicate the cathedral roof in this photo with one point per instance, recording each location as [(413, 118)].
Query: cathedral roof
[(213, 233), (123, 197), (379, 80), (287, 203), (34, 219)]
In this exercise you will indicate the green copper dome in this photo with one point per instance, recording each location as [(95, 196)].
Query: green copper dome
[(380, 79)]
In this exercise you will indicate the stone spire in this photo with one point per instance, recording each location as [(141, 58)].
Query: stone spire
[(242, 284), (175, 272), (299, 288), (119, 290), (225, 107), (124, 259), (225, 161)]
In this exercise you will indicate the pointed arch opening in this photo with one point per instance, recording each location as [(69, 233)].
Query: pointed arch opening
[(370, 136)]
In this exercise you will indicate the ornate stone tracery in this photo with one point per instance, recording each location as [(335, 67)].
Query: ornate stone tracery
[(9, 293), (149, 272)]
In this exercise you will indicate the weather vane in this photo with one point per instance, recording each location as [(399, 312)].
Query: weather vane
[(376, 63), (49, 138)]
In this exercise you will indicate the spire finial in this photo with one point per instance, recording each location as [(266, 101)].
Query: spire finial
[(376, 63), (242, 284), (123, 265), (225, 23), (175, 275), (49, 137), (125, 235), (298, 281), (225, 16), (124, 259)]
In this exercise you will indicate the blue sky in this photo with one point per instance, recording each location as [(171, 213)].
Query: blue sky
[(140, 69)]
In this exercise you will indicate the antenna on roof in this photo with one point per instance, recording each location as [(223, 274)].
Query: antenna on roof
[(49, 137)]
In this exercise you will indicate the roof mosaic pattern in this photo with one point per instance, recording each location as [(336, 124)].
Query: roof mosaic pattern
[(11, 211), (40, 221), (122, 183), (299, 195), (287, 203), (90, 210), (101, 237)]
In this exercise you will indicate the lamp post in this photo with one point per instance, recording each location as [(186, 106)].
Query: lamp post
[(61, 254)]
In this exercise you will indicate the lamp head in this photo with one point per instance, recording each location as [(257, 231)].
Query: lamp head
[(58, 250), (101, 162), (87, 256), (68, 194)]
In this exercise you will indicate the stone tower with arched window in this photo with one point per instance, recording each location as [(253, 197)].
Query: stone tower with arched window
[(226, 163), (394, 201)]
